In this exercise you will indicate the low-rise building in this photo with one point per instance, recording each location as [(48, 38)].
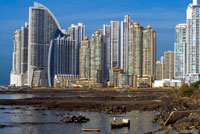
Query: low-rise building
[(145, 81), (168, 83), (191, 78)]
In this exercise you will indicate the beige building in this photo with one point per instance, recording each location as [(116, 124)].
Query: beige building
[(97, 59), (149, 52), (135, 49), (159, 70), (115, 77), (84, 58), (168, 68)]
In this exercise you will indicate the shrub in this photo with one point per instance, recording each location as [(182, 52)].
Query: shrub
[(186, 91), (195, 85)]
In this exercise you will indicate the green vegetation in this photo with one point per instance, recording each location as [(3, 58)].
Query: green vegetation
[(186, 91), (196, 85)]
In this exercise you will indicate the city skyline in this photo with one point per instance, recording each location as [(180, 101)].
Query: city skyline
[(48, 56), (91, 27)]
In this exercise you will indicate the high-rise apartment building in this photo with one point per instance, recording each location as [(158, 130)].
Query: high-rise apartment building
[(193, 43), (180, 51), (61, 58), (125, 26), (42, 23), (20, 57), (168, 68), (107, 42), (149, 52), (159, 70), (135, 49), (97, 58), (77, 33), (85, 60), (115, 44)]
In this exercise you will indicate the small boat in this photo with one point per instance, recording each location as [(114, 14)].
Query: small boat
[(90, 129), (124, 123)]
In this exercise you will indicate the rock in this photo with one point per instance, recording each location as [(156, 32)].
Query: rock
[(74, 119), (2, 126), (193, 131), (160, 121), (183, 125), (154, 120), (168, 131)]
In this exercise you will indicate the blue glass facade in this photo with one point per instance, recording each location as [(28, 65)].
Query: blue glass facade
[(61, 59)]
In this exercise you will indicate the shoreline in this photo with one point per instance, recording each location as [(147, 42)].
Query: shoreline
[(105, 101)]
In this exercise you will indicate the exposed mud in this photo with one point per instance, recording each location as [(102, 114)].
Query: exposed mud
[(107, 101)]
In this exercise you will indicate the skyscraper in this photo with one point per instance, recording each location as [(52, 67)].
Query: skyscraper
[(77, 33), (20, 57), (42, 23), (168, 68), (125, 26), (149, 52), (159, 70), (180, 51), (97, 57), (115, 44), (193, 40), (107, 41), (135, 49), (85, 60), (61, 58)]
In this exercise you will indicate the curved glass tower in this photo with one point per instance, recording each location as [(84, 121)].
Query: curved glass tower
[(42, 24), (61, 59)]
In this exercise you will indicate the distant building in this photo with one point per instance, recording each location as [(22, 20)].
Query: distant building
[(66, 81), (42, 23), (18, 75), (159, 70), (115, 77), (168, 83), (191, 78), (97, 58), (168, 68), (193, 45), (115, 44), (61, 58), (149, 52), (125, 26), (107, 41), (135, 49), (77, 33), (85, 59), (180, 52)]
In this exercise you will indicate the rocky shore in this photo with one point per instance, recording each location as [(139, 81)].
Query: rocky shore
[(186, 125), (189, 124), (115, 102), (74, 119), (106, 101)]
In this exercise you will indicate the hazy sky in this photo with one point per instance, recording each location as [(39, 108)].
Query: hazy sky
[(163, 15)]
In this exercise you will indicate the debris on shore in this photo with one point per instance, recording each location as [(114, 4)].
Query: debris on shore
[(115, 110), (74, 119), (2, 126), (186, 125)]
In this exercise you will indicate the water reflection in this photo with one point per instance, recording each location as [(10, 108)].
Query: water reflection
[(140, 122), (17, 96), (26, 96)]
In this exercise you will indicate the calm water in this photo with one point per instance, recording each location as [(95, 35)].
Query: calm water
[(25, 96), (17, 96), (21, 117), (12, 115)]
